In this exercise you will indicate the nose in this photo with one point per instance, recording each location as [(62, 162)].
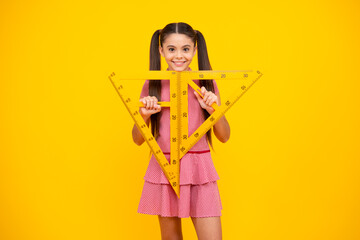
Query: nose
[(178, 55)]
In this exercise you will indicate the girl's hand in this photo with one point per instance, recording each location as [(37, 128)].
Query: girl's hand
[(208, 100), (150, 106)]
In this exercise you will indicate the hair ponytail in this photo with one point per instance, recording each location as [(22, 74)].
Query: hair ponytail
[(204, 64), (155, 63), (155, 85), (203, 58)]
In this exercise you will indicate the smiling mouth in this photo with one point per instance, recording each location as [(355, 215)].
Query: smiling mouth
[(179, 63)]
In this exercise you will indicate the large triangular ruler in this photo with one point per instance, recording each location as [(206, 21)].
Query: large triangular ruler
[(180, 142)]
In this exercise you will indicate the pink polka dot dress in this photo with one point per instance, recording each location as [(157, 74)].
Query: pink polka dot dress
[(199, 194)]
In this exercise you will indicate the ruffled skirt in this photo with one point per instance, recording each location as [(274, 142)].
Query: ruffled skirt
[(199, 193)]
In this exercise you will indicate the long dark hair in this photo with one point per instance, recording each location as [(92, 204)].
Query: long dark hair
[(155, 64)]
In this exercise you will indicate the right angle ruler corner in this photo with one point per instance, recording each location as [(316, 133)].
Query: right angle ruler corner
[(180, 142)]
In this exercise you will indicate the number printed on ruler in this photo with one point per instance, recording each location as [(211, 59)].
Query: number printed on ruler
[(180, 142)]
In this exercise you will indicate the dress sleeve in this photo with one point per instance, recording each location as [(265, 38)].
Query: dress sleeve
[(216, 90), (145, 89)]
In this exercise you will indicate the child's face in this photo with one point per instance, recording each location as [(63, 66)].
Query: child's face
[(178, 51)]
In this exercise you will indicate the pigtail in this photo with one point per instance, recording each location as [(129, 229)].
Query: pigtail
[(204, 64), (203, 58), (155, 85), (155, 63)]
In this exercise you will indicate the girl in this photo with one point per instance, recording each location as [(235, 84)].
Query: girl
[(199, 194)]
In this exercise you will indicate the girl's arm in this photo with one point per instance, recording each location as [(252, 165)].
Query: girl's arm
[(150, 107), (137, 137), (221, 127)]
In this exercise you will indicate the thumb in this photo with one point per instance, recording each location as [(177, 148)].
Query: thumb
[(197, 96)]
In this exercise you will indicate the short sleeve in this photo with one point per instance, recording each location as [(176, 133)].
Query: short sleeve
[(145, 89), (216, 90)]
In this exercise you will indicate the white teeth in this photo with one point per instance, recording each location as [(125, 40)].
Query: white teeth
[(179, 63)]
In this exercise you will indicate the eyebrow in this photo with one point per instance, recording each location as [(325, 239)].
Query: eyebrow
[(187, 45)]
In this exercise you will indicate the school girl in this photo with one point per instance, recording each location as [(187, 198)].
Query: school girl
[(199, 194)]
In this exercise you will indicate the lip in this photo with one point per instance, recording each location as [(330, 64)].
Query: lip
[(179, 63)]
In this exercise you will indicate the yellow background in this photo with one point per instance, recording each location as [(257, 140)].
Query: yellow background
[(69, 168)]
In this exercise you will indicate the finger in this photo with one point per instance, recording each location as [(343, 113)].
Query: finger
[(213, 96), (209, 99), (216, 99), (151, 101), (206, 96), (155, 100), (197, 95), (203, 90), (199, 98), (156, 105), (148, 104), (143, 101)]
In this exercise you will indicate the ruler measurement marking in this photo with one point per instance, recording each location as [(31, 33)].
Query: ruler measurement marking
[(180, 142), (213, 118), (174, 139), (144, 130)]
